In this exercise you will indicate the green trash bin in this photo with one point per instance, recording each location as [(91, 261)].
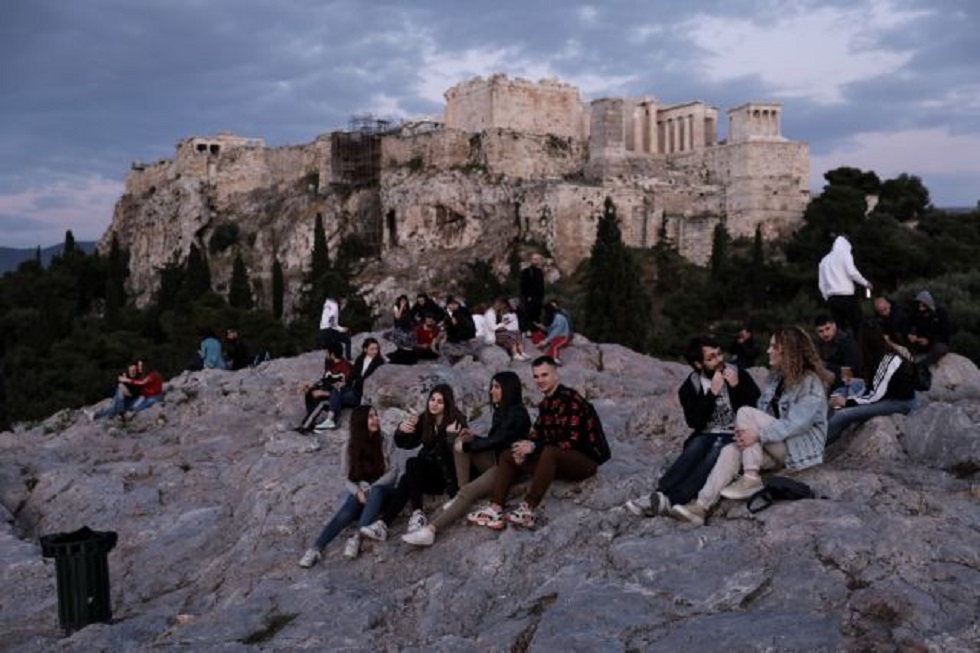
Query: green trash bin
[(81, 562)]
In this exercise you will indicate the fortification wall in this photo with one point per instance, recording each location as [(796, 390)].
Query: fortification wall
[(544, 107), (144, 179)]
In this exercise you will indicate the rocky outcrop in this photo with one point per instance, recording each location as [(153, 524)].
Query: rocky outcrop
[(214, 498)]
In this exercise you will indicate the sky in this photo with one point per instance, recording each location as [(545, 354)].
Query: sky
[(89, 86)]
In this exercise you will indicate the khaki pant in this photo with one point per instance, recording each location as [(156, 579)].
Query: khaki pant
[(469, 491), (770, 455)]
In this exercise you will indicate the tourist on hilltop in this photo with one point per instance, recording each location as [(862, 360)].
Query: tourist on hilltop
[(369, 471), (208, 356), (237, 353), (892, 320), (710, 396), (402, 333), (330, 328), (369, 360), (788, 429), (558, 334), (532, 293), (566, 443), (508, 330), (327, 394), (427, 338), (431, 470), (837, 275), (137, 389), (425, 305), (744, 350), (485, 324), (889, 379), (929, 329), (459, 331), (839, 353), (510, 424)]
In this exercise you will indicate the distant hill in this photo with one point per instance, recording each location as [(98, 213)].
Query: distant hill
[(11, 257)]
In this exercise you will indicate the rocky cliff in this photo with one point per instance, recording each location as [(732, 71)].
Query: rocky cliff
[(214, 499)]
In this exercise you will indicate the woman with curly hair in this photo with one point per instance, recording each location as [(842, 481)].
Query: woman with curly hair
[(788, 429), (369, 474)]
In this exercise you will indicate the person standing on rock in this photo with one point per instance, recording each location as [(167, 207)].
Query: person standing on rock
[(369, 472), (532, 293), (510, 423), (567, 443), (330, 328), (788, 429), (431, 470), (710, 396), (836, 276)]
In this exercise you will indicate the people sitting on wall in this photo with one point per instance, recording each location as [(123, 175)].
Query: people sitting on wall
[(929, 329), (327, 393)]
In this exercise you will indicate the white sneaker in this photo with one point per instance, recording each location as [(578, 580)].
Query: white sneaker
[(326, 425), (378, 531), (424, 536), (353, 546), (417, 521), (310, 558)]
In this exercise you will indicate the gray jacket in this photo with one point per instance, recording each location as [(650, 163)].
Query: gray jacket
[(802, 423)]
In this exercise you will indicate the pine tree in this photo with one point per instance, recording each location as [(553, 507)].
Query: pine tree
[(617, 308), (278, 289), (240, 291)]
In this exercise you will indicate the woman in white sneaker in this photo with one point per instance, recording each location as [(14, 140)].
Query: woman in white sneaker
[(788, 429), (510, 423), (431, 470), (369, 474)]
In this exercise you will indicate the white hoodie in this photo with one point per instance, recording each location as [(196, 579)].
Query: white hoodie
[(837, 272)]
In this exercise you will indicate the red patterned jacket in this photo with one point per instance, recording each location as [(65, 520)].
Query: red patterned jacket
[(565, 421)]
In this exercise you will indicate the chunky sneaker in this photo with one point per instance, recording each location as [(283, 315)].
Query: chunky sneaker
[(691, 512), (378, 531), (487, 516), (650, 505), (743, 488), (417, 521), (310, 558), (424, 536), (353, 546), (326, 425), (522, 515)]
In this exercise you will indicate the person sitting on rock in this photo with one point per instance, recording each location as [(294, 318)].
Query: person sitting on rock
[(427, 337), (459, 330), (788, 429), (558, 334), (431, 470), (328, 392), (710, 396), (209, 353), (369, 471), (567, 443), (424, 305), (892, 320), (510, 424), (126, 395), (889, 379), (508, 329), (744, 350), (238, 356), (402, 333), (485, 322), (369, 360), (929, 329), (839, 353)]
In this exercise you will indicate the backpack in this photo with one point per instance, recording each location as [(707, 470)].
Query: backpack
[(600, 443), (778, 488), (922, 376)]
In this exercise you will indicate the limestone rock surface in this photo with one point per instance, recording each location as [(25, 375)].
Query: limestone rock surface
[(214, 498)]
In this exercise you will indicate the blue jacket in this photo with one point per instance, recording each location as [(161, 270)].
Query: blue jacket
[(210, 353)]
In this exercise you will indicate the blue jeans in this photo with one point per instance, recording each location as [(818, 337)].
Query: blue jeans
[(120, 404), (844, 417), (352, 510), (142, 403)]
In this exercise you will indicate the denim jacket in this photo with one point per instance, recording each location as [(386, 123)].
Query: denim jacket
[(802, 423)]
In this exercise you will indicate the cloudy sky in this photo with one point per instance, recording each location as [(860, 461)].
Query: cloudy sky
[(88, 86)]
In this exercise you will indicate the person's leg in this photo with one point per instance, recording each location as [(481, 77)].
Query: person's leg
[(402, 493), (335, 403), (695, 448), (347, 513), (723, 472), (463, 462), (469, 494), (563, 464), (844, 417), (377, 496), (748, 417), (118, 405), (311, 401), (507, 470), (556, 345), (685, 488), (936, 351), (311, 416)]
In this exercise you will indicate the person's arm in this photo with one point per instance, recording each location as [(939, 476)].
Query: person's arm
[(879, 387), (391, 465), (406, 439), (853, 273), (514, 426), (349, 485), (809, 406)]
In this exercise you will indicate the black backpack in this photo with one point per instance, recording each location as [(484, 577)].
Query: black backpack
[(778, 488), (601, 445)]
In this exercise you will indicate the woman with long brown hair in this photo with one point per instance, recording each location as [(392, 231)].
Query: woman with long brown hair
[(369, 474), (788, 429)]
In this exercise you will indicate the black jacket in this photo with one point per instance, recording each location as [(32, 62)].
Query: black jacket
[(509, 425), (699, 404), (358, 378)]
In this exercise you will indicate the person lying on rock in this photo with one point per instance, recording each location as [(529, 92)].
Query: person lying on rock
[(788, 429), (431, 470), (328, 392), (510, 424), (710, 397), (567, 443), (890, 383), (369, 471)]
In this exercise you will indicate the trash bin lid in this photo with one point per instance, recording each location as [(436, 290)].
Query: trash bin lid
[(83, 540)]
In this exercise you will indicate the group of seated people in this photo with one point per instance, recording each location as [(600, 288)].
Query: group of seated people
[(137, 388), (427, 330), (565, 442), (233, 355)]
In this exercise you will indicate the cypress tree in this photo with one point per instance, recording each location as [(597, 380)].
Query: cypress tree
[(617, 308), (278, 289), (116, 272), (720, 245), (198, 274), (240, 291), (68, 249)]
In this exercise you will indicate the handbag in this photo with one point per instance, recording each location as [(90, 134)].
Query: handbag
[(778, 488)]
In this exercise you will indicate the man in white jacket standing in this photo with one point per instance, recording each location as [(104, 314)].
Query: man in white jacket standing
[(837, 275)]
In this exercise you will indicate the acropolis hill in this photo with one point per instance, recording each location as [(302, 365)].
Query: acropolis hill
[(511, 162)]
